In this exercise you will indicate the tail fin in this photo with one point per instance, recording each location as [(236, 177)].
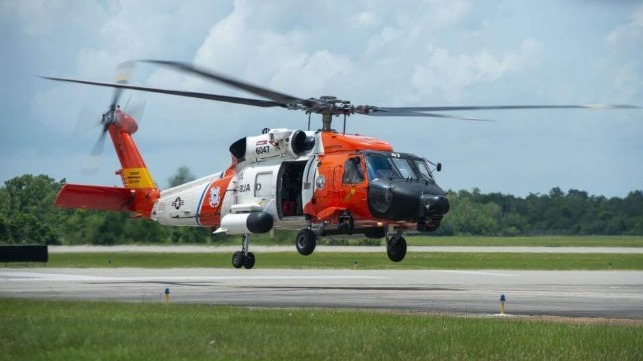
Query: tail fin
[(139, 192), (134, 172)]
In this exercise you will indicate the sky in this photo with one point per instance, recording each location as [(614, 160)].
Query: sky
[(384, 53)]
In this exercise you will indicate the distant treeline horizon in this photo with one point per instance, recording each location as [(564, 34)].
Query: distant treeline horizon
[(27, 215)]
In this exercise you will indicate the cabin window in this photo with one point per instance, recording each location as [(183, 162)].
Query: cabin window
[(353, 173)]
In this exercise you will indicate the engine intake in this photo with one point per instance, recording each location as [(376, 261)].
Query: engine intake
[(284, 143)]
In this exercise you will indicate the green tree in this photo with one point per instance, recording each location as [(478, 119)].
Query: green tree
[(468, 217), (27, 213), (182, 176)]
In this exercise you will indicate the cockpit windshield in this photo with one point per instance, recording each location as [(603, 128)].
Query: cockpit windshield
[(397, 166)]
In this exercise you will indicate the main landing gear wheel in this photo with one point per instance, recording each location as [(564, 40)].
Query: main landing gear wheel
[(244, 258), (396, 250), (306, 241), (238, 259), (249, 261)]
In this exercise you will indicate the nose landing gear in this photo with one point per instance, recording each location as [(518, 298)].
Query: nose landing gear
[(396, 246), (306, 241)]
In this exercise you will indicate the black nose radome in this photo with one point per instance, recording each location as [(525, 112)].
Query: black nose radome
[(407, 201)]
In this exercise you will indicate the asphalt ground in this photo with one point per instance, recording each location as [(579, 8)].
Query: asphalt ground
[(596, 294)]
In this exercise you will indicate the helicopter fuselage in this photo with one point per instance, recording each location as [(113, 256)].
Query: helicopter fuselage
[(291, 179)]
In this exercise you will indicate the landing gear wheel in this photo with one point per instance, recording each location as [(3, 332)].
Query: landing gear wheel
[(249, 261), (238, 259), (306, 241), (396, 251)]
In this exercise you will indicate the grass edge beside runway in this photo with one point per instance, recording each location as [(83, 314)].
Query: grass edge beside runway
[(413, 261)]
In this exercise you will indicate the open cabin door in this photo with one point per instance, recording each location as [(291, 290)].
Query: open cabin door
[(289, 188)]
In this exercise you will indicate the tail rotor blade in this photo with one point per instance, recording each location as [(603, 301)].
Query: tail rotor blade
[(93, 161), (123, 74), (136, 110), (86, 121)]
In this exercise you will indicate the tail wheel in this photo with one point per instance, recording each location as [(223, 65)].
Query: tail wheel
[(396, 251), (306, 241), (249, 262), (238, 259)]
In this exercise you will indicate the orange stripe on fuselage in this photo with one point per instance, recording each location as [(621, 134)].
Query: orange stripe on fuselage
[(212, 202)]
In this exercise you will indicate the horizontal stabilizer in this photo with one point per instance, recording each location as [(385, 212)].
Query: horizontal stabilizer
[(94, 197)]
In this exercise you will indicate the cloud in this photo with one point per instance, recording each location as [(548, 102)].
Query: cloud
[(364, 19), (449, 74), (630, 33), (625, 46), (275, 56)]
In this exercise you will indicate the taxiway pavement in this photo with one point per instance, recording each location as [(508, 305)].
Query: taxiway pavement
[(604, 294)]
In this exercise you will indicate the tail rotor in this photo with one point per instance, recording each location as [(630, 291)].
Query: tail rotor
[(111, 116)]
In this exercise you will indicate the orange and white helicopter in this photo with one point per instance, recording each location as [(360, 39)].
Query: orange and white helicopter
[(318, 182)]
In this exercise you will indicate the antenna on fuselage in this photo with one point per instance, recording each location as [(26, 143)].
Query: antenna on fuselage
[(344, 130)]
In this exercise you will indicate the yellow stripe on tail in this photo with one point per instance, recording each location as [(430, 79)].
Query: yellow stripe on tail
[(135, 178)]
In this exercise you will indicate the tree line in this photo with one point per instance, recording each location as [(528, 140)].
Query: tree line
[(27, 215), (556, 213)]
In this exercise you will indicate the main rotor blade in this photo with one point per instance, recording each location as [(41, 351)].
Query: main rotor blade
[(507, 107), (254, 89), (394, 112), (427, 111), (221, 98)]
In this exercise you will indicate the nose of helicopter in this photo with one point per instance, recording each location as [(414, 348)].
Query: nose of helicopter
[(407, 200)]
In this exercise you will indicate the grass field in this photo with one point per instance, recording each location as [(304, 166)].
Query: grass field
[(59, 330), (519, 261), (540, 241), (418, 240)]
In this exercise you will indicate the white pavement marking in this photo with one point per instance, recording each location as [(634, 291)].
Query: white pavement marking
[(39, 276), (12, 276), (481, 273)]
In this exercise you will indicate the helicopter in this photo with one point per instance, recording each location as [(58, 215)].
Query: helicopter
[(319, 183)]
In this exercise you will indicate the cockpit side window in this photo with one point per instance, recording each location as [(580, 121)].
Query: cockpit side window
[(404, 167), (423, 169), (353, 173), (380, 166)]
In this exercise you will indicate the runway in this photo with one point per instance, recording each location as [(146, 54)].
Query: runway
[(602, 294)]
